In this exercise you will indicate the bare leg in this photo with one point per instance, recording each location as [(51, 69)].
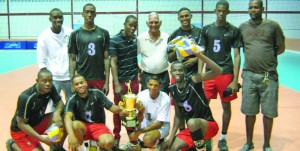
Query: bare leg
[(250, 121), (226, 116), (268, 125)]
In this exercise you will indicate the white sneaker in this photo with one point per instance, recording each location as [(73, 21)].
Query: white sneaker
[(130, 147)]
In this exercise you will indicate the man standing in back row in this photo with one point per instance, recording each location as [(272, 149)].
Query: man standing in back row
[(88, 50), (218, 38), (124, 67), (263, 41), (52, 52), (152, 45)]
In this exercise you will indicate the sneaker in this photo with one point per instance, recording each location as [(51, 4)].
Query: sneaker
[(222, 145), (247, 147), (130, 147), (267, 149), (208, 144), (9, 143), (116, 145)]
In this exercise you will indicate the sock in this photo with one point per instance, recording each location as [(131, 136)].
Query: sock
[(222, 137), (197, 137)]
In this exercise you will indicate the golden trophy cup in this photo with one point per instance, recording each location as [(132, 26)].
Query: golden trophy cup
[(129, 104)]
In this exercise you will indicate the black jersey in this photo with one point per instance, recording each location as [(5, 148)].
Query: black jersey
[(90, 109), (195, 33), (126, 50), (32, 106), (218, 41), (191, 101), (89, 46)]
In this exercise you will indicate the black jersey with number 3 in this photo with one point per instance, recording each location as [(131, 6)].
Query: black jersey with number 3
[(191, 101), (89, 46), (90, 109)]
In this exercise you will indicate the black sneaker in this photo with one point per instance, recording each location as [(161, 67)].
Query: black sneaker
[(222, 145)]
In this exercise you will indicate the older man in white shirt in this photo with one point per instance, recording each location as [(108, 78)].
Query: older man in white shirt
[(152, 45)]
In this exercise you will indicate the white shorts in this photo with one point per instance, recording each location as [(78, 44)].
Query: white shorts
[(164, 130)]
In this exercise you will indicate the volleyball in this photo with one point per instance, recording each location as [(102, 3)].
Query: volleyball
[(184, 47), (55, 133)]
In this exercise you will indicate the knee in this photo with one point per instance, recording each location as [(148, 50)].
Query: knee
[(175, 147), (192, 124), (106, 142), (149, 141)]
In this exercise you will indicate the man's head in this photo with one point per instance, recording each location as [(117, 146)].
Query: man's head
[(56, 18), (185, 17), (154, 22), (44, 81), (222, 10), (178, 71), (79, 84), (89, 13), (154, 85), (255, 9), (130, 25)]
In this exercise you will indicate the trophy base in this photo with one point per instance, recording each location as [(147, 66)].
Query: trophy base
[(130, 122)]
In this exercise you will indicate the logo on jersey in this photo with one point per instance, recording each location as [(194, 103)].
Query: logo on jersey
[(187, 107)]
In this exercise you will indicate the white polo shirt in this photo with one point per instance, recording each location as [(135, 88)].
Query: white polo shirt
[(154, 56)]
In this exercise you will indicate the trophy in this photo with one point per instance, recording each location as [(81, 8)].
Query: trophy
[(129, 104)]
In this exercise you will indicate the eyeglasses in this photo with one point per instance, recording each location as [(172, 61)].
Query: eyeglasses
[(153, 22)]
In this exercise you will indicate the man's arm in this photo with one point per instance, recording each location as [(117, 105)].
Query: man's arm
[(177, 120), (57, 115), (107, 69), (236, 70), (72, 140), (41, 52), (280, 49), (22, 124), (114, 72), (72, 64), (215, 69)]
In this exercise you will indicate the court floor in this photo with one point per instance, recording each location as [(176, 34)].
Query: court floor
[(18, 72)]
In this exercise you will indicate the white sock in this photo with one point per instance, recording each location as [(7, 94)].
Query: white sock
[(223, 137)]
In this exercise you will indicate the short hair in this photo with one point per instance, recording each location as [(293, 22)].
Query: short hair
[(43, 70), (153, 14), (222, 2), (76, 76), (53, 10), (88, 4), (129, 17), (184, 8), (260, 2), (154, 77)]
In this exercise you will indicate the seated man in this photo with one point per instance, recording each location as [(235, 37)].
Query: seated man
[(30, 121), (191, 105), (154, 117), (87, 108)]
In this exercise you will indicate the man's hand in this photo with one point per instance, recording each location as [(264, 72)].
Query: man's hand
[(57, 119), (118, 91), (105, 89), (190, 62), (73, 143), (166, 145), (139, 106), (134, 135)]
